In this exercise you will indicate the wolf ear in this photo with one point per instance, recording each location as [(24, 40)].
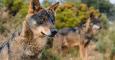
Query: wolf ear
[(54, 6), (26, 31), (34, 6), (87, 24)]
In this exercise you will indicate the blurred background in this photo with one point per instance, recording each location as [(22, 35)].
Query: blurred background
[(69, 14)]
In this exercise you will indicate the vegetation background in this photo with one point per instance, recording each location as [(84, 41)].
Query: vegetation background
[(69, 14)]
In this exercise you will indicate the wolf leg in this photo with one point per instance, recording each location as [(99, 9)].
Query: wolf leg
[(83, 52)]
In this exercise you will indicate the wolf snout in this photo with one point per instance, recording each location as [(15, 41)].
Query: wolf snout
[(53, 32), (97, 27)]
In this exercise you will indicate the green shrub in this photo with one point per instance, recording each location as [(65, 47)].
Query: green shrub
[(48, 55), (104, 21), (2, 29)]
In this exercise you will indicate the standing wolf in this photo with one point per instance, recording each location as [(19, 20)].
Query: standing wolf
[(27, 44), (77, 37)]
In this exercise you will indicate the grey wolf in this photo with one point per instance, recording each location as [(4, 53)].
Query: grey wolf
[(77, 37), (29, 42)]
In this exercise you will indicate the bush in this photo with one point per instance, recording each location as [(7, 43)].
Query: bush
[(68, 15)]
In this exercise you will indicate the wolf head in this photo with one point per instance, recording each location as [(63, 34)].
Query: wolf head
[(95, 23), (40, 21)]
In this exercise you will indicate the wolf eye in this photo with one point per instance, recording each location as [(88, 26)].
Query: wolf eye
[(40, 22)]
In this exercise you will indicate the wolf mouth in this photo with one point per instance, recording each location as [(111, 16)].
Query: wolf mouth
[(44, 34)]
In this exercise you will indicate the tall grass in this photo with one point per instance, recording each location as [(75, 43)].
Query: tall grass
[(106, 42)]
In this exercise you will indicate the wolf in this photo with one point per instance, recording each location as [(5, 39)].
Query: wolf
[(28, 43), (77, 36)]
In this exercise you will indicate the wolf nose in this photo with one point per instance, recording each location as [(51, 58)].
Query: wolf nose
[(53, 32)]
